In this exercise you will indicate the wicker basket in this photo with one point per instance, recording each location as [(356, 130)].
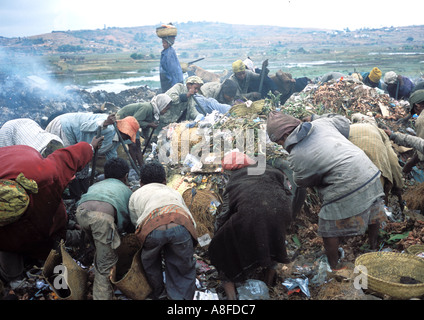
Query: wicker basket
[(166, 31), (76, 280), (242, 109), (129, 276), (415, 249), (384, 271)]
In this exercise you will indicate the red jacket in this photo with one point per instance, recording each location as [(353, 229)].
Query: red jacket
[(45, 218)]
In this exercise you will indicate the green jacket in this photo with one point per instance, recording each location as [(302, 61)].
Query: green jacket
[(180, 103), (142, 111)]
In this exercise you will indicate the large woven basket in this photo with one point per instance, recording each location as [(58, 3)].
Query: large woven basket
[(415, 249), (166, 31), (129, 276), (385, 271), (73, 286)]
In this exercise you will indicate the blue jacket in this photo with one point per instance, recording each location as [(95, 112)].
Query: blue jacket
[(404, 90), (170, 69)]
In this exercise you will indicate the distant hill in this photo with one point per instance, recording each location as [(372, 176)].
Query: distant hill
[(212, 37)]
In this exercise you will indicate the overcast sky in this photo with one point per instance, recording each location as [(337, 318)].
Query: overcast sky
[(19, 18)]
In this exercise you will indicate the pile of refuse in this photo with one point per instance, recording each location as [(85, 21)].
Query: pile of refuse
[(192, 155)]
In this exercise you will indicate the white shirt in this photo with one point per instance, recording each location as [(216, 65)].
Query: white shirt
[(153, 196)]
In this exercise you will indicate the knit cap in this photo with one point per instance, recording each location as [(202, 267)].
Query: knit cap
[(375, 75), (238, 66)]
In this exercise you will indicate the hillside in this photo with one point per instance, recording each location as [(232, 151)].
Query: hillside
[(212, 37)]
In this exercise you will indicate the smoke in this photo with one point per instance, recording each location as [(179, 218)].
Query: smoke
[(28, 90)]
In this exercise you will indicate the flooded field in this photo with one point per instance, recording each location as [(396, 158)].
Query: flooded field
[(117, 72)]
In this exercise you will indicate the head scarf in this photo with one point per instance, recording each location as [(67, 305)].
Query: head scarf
[(238, 66), (194, 80), (170, 40), (14, 199), (249, 64), (390, 77), (128, 125), (278, 124), (159, 102), (375, 75), (416, 97)]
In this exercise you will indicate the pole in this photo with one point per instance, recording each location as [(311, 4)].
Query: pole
[(96, 153)]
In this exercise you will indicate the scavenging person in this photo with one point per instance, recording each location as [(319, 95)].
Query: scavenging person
[(103, 214), (33, 217), (75, 127), (321, 156), (165, 227)]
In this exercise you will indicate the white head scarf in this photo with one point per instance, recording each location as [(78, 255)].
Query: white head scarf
[(390, 77), (249, 64), (159, 102)]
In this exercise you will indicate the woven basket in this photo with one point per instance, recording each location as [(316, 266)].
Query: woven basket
[(415, 249), (166, 31), (242, 109), (384, 271), (76, 281), (129, 276)]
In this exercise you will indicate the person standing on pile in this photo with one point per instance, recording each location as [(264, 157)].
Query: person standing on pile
[(321, 156), (82, 126), (399, 87), (27, 132), (103, 214), (243, 78), (170, 71), (165, 227), (33, 216)]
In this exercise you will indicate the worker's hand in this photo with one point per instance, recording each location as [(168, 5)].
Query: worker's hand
[(388, 132), (111, 119), (153, 125), (97, 142), (191, 91)]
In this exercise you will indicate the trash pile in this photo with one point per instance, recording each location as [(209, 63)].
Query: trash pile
[(192, 153), (35, 98)]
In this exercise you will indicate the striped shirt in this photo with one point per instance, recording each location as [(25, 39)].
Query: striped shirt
[(25, 132)]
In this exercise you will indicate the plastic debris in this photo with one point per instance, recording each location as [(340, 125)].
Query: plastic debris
[(253, 289), (207, 295), (302, 283)]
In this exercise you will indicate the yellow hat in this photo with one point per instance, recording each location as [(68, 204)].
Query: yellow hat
[(375, 75), (238, 66)]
